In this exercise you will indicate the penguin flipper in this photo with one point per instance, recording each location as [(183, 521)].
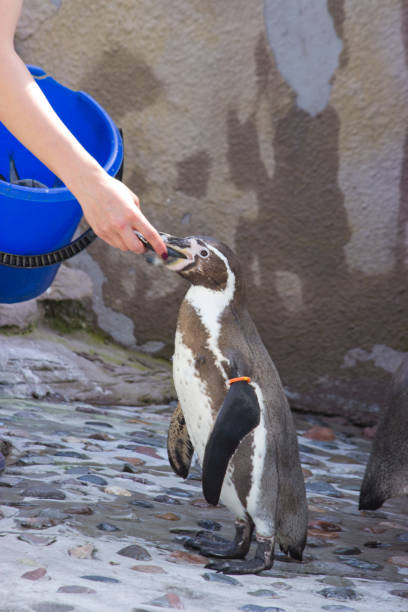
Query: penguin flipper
[(239, 414), (179, 446)]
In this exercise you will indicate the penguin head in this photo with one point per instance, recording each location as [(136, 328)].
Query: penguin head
[(202, 260)]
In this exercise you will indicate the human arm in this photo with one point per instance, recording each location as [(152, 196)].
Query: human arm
[(112, 210)]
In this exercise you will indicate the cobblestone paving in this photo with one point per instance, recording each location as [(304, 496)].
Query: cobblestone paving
[(92, 518)]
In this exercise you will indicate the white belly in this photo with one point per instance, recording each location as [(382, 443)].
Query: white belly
[(196, 407), (193, 397)]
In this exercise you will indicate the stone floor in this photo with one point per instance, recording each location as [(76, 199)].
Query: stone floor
[(92, 518)]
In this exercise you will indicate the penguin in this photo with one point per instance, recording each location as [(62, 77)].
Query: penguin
[(232, 412), (386, 473)]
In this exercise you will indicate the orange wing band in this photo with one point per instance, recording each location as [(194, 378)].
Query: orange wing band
[(244, 378)]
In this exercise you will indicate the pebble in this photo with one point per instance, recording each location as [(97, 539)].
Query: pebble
[(252, 608), (98, 424), (96, 578), (150, 439), (179, 492), (149, 569), (361, 564), (43, 492), (337, 581), (323, 488), (36, 540), (399, 560), (168, 516), (146, 450), (35, 574), (402, 537), (37, 522), (89, 410), (341, 593), (93, 479), (183, 555), (72, 454), (93, 448), (309, 460), (102, 436), (53, 513), (214, 577), (134, 461), (51, 607), (142, 504), (79, 509), (320, 433), (263, 593), (166, 499), (107, 527), (134, 551), (324, 525), (339, 608), (33, 460), (73, 588), (77, 470), (376, 544), (117, 491), (375, 529), (83, 551), (325, 535), (352, 550), (169, 600), (128, 468)]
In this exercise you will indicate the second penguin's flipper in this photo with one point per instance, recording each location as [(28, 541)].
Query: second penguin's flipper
[(179, 446), (238, 415)]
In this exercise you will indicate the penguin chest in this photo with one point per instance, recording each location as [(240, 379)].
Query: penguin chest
[(194, 396)]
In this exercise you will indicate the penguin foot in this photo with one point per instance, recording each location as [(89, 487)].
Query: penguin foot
[(235, 566), (263, 560), (213, 545)]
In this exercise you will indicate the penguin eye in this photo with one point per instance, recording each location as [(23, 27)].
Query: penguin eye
[(204, 253)]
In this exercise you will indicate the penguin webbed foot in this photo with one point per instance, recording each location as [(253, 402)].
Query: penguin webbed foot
[(263, 560), (238, 566), (213, 545)]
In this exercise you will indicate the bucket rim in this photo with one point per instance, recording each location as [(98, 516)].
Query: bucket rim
[(111, 165)]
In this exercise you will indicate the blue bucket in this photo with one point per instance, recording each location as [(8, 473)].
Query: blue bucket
[(36, 220)]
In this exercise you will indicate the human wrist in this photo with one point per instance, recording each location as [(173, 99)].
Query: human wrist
[(83, 178)]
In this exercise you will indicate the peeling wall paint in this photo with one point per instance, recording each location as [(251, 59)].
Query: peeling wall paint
[(306, 47)]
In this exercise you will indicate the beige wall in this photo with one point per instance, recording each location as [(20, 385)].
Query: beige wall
[(280, 128)]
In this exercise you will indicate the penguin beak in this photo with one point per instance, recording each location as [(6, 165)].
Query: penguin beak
[(177, 251)]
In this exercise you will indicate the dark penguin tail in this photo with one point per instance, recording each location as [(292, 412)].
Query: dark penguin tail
[(372, 495), (292, 519), (292, 533)]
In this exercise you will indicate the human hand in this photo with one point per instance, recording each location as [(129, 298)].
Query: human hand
[(113, 212)]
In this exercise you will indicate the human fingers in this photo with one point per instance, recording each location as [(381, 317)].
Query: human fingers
[(152, 236), (131, 241), (114, 240)]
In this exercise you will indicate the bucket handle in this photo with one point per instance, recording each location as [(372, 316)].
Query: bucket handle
[(13, 260)]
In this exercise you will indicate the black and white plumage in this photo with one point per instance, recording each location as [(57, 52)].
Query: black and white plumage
[(243, 432)]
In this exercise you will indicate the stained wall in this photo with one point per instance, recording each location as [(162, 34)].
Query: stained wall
[(281, 129)]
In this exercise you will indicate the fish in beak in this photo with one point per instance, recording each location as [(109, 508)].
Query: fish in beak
[(177, 250)]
